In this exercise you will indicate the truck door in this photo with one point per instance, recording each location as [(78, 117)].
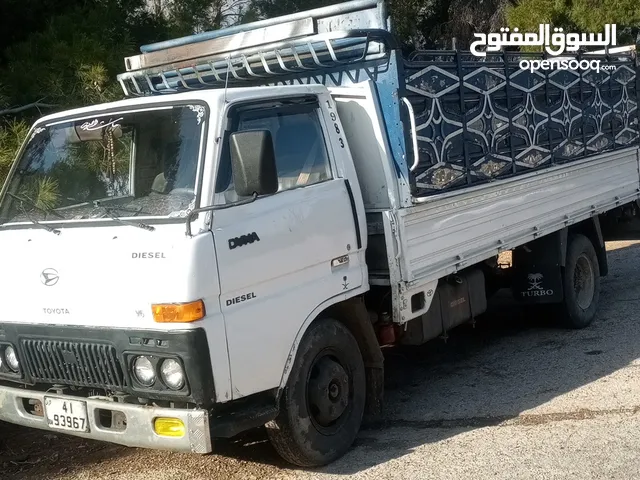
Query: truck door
[(283, 255)]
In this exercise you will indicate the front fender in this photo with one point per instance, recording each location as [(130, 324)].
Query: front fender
[(305, 325)]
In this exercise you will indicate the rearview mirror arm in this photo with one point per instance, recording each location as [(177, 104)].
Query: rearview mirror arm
[(212, 208)]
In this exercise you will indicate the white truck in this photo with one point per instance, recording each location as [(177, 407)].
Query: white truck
[(231, 246)]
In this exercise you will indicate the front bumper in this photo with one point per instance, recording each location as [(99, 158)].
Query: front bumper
[(138, 430)]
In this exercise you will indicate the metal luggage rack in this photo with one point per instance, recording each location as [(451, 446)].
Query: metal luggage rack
[(263, 64)]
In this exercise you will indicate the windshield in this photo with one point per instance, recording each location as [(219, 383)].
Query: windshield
[(140, 163)]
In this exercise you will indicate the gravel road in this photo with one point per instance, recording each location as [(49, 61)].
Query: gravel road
[(512, 398)]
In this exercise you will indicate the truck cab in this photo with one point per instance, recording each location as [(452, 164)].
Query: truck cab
[(139, 292)]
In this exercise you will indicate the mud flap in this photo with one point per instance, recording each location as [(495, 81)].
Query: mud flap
[(537, 269)]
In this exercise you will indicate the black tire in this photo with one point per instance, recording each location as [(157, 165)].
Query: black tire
[(581, 284), (305, 432)]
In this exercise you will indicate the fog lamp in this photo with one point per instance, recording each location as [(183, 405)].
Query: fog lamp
[(169, 427)]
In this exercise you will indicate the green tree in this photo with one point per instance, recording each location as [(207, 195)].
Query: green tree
[(276, 8), (578, 16), (192, 16), (12, 135), (71, 58), (418, 23), (20, 18), (406, 13)]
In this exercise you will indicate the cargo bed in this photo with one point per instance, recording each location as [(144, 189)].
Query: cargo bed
[(449, 232), (437, 235)]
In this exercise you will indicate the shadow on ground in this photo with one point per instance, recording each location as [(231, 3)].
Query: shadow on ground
[(497, 372)]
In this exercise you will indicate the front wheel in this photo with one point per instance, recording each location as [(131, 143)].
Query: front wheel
[(322, 406), (581, 282)]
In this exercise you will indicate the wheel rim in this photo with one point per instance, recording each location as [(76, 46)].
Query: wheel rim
[(329, 391), (584, 282)]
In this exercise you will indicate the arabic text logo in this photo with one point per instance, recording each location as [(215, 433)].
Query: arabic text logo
[(98, 125), (49, 277), (555, 43)]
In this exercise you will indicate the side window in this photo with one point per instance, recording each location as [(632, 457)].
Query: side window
[(300, 148)]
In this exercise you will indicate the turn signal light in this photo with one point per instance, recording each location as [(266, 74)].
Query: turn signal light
[(178, 312), (169, 427)]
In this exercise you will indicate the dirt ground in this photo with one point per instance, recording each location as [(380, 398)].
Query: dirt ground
[(513, 397)]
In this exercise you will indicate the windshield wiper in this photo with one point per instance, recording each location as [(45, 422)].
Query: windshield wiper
[(37, 223), (109, 211), (34, 205)]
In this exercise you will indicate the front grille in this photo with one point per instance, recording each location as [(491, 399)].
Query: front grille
[(73, 363)]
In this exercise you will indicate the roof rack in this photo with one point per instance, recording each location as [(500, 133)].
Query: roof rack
[(261, 64), (328, 38)]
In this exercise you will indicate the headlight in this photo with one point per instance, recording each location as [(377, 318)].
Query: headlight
[(11, 358), (144, 372), (172, 374)]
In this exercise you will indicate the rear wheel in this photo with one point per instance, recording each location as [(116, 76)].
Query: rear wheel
[(322, 406), (581, 282)]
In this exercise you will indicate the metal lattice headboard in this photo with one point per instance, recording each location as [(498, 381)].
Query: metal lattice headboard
[(479, 120)]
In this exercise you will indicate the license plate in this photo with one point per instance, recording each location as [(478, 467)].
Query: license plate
[(63, 414)]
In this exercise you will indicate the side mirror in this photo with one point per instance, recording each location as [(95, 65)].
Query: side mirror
[(253, 163)]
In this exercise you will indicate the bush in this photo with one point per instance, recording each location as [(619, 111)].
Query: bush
[(12, 134)]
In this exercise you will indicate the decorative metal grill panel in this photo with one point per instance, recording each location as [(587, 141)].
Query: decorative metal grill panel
[(482, 120), (73, 363)]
